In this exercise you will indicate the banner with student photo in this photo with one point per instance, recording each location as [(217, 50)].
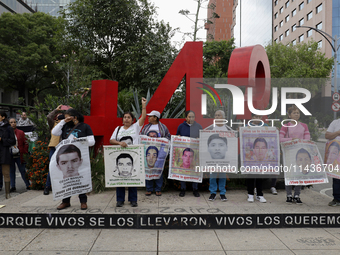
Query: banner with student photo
[(332, 158), (184, 157), (302, 163), (124, 167), (218, 151), (260, 151), (155, 151), (70, 168)]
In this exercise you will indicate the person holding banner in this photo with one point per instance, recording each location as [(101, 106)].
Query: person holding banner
[(333, 132), (154, 129), (73, 124), (294, 130), (189, 128), (131, 129)]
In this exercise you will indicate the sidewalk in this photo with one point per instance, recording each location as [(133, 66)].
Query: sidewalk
[(169, 241)]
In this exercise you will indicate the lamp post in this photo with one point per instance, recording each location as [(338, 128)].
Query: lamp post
[(335, 48)]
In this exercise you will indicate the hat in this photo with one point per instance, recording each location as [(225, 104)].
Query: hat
[(155, 113)]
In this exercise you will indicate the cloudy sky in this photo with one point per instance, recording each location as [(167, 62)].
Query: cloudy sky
[(168, 11)]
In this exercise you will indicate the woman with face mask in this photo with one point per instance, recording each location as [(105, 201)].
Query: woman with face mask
[(73, 124), (294, 130)]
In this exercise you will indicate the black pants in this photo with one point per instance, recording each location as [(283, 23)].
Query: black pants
[(252, 183), (82, 198)]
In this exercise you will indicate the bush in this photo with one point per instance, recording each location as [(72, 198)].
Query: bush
[(97, 171), (38, 165)]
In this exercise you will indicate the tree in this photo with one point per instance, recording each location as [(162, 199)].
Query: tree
[(128, 44), (216, 56), (27, 45), (303, 60)]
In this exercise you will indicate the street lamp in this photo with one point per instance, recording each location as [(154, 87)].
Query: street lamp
[(335, 49)]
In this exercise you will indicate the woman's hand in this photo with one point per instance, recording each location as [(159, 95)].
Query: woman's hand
[(59, 107), (143, 102), (68, 119), (123, 144)]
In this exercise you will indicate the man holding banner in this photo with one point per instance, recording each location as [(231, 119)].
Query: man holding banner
[(333, 132), (154, 129)]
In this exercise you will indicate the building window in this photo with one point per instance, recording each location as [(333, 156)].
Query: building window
[(281, 10), (301, 6), (275, 2), (275, 40), (293, 27), (309, 33), (293, 12), (309, 15), (301, 37), (294, 42), (275, 28), (287, 18), (318, 8), (319, 44), (301, 22), (319, 26), (287, 4), (281, 23), (281, 37), (308, 1), (287, 33), (275, 16)]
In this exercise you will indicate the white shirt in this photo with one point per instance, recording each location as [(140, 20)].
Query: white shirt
[(334, 126), (132, 131)]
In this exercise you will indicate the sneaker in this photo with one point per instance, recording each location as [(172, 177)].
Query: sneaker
[(273, 190), (182, 193), (250, 198), (223, 198), (120, 203), (212, 197), (13, 189), (134, 203), (46, 191), (334, 202), (196, 194), (297, 200), (289, 200), (261, 199)]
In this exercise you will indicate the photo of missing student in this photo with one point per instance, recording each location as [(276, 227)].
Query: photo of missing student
[(70, 169), (124, 167), (332, 158), (302, 163)]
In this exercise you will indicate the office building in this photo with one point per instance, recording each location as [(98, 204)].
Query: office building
[(15, 6), (51, 7)]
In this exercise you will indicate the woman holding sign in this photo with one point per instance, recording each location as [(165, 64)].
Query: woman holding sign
[(129, 129), (73, 124), (294, 130)]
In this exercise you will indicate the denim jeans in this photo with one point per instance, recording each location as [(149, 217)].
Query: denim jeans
[(184, 185), (48, 179), (159, 183), (22, 171), (82, 199), (120, 193), (336, 189), (213, 184)]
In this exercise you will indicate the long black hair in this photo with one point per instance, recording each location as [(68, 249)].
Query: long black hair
[(75, 113)]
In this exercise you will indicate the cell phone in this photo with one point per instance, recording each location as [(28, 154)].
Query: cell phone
[(65, 107)]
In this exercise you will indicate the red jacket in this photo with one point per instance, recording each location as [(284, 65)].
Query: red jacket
[(22, 143)]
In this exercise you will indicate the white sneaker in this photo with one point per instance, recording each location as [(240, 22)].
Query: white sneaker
[(273, 190), (261, 199), (250, 198)]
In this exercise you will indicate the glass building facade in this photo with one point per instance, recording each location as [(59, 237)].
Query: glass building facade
[(15, 6), (253, 22), (51, 7)]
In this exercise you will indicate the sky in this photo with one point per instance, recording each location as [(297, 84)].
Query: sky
[(168, 11)]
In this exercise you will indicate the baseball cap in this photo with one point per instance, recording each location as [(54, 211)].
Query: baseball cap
[(155, 113)]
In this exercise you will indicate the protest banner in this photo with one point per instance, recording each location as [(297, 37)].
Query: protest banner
[(124, 167), (332, 158), (155, 151), (218, 151), (303, 164), (70, 168), (184, 157), (260, 151)]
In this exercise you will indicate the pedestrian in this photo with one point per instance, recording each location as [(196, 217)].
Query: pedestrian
[(24, 120), (17, 157), (189, 128), (294, 130), (155, 129), (73, 124), (131, 129), (7, 139)]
